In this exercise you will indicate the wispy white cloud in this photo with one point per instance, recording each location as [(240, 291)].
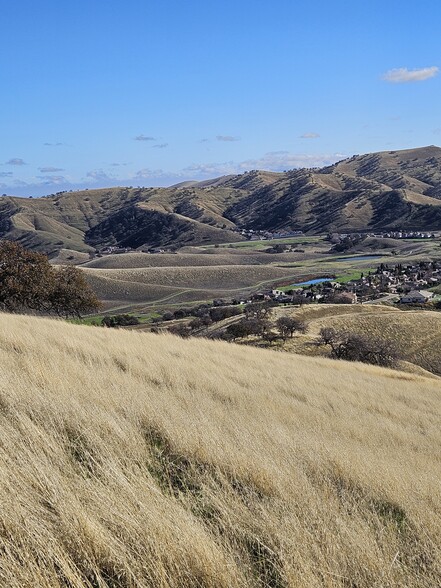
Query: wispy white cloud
[(6, 174), (309, 136), (272, 161), (53, 144), (16, 161), (160, 146), (52, 180), (278, 160), (50, 170), (99, 175), (403, 75), (144, 138), (148, 174), (227, 138)]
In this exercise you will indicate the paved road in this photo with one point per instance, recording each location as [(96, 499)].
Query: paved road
[(386, 298)]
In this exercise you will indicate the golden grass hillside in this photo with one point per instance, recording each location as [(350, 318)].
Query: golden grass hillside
[(209, 257), (135, 460), (416, 333), (375, 191), (182, 284)]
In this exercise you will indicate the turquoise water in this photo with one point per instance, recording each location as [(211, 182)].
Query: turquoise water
[(358, 258)]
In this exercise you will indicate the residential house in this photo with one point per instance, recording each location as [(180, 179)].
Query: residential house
[(415, 297)]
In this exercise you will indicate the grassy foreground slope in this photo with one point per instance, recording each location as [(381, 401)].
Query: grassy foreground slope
[(135, 460)]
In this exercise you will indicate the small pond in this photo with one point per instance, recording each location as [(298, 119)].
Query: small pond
[(311, 282)]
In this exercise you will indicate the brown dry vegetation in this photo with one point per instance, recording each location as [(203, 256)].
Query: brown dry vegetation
[(135, 460)]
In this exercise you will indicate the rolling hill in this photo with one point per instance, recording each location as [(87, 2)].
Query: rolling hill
[(139, 460), (394, 189), (416, 333), (125, 287)]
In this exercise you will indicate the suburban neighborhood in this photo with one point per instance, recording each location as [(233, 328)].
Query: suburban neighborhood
[(410, 284)]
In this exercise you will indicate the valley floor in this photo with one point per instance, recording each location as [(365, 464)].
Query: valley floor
[(142, 282)]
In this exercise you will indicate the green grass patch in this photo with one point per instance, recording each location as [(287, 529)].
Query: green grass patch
[(91, 321), (148, 317), (344, 278), (95, 320), (264, 244)]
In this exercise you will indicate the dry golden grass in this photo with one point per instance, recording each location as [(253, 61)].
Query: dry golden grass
[(197, 277), (316, 312), (185, 284), (142, 260), (211, 257), (417, 334), (109, 288), (69, 256), (135, 460)]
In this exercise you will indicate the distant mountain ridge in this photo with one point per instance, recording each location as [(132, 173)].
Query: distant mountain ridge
[(385, 190)]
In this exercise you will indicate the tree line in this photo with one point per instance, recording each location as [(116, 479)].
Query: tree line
[(256, 322)]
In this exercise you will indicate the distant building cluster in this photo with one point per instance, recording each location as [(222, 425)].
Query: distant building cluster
[(405, 235), (389, 235), (410, 284), (253, 235), (116, 250)]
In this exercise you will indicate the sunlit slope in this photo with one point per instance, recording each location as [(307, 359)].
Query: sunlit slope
[(128, 217), (417, 334), (375, 191), (153, 284), (135, 460)]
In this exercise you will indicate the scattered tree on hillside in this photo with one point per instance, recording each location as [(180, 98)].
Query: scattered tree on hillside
[(25, 278), (29, 282), (120, 320), (200, 323), (270, 337), (181, 330), (327, 335), (287, 325), (356, 347), (219, 313), (196, 323), (70, 294), (257, 326), (258, 310), (246, 327), (180, 313)]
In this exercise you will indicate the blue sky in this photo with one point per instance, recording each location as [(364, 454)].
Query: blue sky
[(103, 92)]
